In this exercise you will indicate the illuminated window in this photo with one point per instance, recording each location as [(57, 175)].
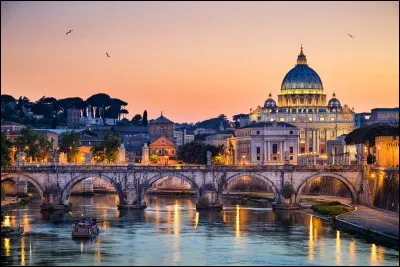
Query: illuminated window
[(321, 118), (282, 119), (332, 118), (293, 119), (272, 119), (310, 119)]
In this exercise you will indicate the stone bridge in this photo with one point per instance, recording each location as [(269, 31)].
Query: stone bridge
[(55, 182)]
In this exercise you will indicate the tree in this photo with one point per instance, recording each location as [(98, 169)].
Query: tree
[(44, 146), (196, 153), (144, 120), (69, 144), (112, 143), (109, 149), (287, 190), (137, 119), (5, 151), (28, 142), (7, 99)]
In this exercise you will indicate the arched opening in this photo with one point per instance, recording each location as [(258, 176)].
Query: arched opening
[(24, 186), (86, 190), (249, 187), (168, 191), (331, 187)]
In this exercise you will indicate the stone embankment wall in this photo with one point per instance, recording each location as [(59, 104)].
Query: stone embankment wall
[(384, 187)]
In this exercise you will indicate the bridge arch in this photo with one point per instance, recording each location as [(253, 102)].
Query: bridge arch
[(344, 180), (66, 191), (253, 175), (163, 175), (15, 177)]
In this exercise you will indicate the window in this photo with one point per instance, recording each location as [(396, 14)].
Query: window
[(258, 157), (291, 150), (259, 118), (332, 133), (332, 118), (293, 119), (159, 152), (321, 119), (274, 148), (291, 157), (291, 132), (272, 119), (282, 119), (258, 132), (172, 152), (310, 118), (258, 150)]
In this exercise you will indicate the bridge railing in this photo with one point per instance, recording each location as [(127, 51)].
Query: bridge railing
[(124, 167)]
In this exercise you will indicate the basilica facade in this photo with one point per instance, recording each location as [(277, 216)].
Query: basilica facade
[(302, 102)]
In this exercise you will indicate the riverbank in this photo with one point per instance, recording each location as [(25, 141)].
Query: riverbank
[(251, 196), (9, 204), (371, 223)]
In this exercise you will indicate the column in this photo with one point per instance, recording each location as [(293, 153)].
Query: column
[(306, 139), (281, 151), (265, 152), (317, 141), (268, 150)]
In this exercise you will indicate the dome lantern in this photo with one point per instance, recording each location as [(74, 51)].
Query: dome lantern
[(301, 58)]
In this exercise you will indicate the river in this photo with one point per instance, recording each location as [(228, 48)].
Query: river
[(171, 232)]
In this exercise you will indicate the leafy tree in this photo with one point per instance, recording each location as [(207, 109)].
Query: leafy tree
[(45, 146), (69, 144), (5, 151), (109, 149), (27, 142), (214, 123), (144, 120), (196, 153), (7, 99), (154, 158), (112, 143), (137, 119), (287, 190), (98, 153)]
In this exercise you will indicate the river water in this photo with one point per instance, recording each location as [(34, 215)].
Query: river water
[(171, 232)]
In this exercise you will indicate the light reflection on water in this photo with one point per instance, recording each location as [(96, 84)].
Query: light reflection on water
[(171, 232)]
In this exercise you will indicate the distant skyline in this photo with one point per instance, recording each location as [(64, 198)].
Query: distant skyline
[(196, 60)]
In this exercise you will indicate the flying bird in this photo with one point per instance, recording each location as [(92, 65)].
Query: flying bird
[(68, 32), (107, 54), (351, 35)]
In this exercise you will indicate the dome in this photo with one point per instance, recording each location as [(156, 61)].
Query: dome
[(270, 103), (334, 102), (302, 76)]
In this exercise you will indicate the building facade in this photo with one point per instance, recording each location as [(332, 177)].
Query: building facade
[(264, 143), (181, 137), (302, 103), (73, 117), (219, 138), (341, 154), (161, 127), (387, 151)]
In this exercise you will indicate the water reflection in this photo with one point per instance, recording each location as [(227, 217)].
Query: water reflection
[(170, 231), (338, 260)]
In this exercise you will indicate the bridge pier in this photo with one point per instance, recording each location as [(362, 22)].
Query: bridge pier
[(132, 199), (209, 200), (53, 201)]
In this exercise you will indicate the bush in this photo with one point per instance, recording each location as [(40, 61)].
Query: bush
[(330, 208), (287, 190), (24, 200)]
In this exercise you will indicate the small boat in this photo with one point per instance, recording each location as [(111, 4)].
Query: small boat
[(11, 230), (85, 229)]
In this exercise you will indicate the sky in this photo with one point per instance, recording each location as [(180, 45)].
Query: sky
[(196, 60)]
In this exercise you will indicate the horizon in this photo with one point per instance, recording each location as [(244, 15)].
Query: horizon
[(196, 60)]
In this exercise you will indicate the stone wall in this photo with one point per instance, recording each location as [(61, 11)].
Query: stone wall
[(384, 188)]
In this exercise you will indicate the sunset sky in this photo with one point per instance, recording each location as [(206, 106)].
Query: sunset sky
[(196, 60)]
